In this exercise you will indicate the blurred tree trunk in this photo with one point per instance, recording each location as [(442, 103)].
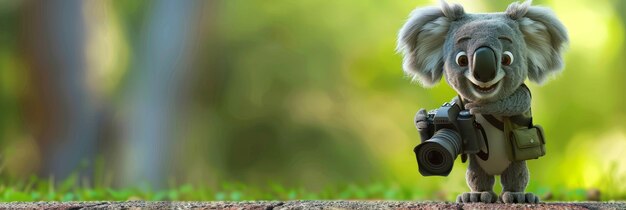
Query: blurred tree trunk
[(59, 109), (156, 88)]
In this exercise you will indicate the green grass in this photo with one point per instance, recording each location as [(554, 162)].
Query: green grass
[(35, 189)]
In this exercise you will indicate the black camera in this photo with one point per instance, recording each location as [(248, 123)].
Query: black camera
[(446, 133)]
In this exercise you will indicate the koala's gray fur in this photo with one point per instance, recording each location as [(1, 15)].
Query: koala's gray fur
[(433, 37)]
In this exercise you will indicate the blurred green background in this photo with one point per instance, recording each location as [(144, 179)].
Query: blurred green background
[(283, 99)]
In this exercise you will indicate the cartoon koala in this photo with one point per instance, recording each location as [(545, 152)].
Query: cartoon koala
[(486, 58)]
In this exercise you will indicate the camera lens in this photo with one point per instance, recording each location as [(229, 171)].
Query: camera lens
[(436, 156)]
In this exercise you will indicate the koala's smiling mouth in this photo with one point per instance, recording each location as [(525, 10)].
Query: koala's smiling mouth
[(484, 90)]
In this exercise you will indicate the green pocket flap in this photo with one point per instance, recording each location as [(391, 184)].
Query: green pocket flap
[(526, 137)]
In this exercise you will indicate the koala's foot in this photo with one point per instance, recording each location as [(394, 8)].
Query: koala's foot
[(476, 197), (519, 197)]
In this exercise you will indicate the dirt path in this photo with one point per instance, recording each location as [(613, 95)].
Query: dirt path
[(306, 205)]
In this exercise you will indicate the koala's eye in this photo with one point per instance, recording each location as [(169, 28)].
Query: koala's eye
[(461, 59), (507, 58)]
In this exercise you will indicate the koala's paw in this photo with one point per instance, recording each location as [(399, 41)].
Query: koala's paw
[(475, 197), (421, 115), (476, 108), (519, 197)]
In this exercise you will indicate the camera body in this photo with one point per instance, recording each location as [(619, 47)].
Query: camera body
[(446, 133)]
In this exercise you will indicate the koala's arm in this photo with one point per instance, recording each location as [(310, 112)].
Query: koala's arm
[(517, 103)]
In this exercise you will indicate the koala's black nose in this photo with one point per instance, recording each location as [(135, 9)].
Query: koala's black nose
[(485, 64)]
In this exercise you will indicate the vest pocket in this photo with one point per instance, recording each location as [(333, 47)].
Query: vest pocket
[(527, 143)]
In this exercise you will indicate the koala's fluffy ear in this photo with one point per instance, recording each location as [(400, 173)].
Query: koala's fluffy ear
[(421, 41), (545, 38)]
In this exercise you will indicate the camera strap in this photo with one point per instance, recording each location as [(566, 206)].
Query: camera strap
[(494, 121), (520, 120), (481, 154)]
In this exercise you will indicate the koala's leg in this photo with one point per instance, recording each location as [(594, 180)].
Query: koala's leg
[(514, 181), (480, 183)]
